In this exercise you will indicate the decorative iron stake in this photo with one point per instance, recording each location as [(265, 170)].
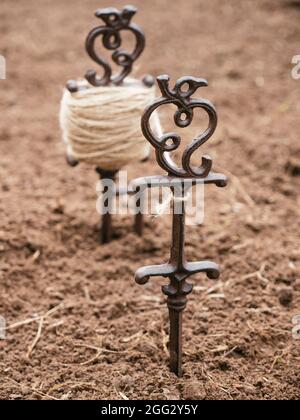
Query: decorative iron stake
[(180, 180), (115, 22)]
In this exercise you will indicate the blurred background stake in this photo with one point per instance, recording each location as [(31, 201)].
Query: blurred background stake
[(115, 22)]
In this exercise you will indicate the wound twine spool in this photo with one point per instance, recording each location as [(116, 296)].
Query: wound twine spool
[(101, 125)]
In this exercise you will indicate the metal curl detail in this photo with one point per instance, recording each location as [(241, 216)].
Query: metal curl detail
[(183, 117), (116, 21)]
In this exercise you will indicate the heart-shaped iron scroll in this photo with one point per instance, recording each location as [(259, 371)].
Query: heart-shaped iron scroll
[(116, 21), (183, 117)]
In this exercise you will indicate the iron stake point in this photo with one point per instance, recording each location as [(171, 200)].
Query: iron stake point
[(106, 230), (180, 180), (139, 224), (175, 338)]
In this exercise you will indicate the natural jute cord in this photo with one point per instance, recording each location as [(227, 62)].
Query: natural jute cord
[(102, 125)]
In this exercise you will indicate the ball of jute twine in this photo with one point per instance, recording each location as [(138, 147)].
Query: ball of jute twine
[(102, 125)]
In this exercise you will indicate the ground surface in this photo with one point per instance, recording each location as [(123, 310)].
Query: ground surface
[(104, 336)]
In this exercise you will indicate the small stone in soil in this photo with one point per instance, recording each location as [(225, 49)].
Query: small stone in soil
[(293, 167), (286, 296)]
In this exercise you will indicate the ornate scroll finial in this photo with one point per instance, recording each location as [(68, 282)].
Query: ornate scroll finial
[(115, 21), (183, 118)]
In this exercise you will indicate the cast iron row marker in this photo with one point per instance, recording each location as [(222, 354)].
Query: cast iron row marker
[(115, 22), (180, 180)]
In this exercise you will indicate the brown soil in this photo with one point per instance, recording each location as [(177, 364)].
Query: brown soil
[(238, 340)]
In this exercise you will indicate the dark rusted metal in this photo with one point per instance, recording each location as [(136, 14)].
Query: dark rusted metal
[(139, 218), (148, 80), (179, 180), (139, 224), (71, 161), (115, 22), (106, 229), (183, 118)]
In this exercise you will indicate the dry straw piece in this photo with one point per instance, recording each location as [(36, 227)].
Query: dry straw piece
[(101, 125)]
